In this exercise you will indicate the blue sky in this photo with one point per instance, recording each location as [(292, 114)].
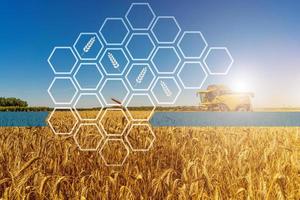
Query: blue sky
[(262, 36)]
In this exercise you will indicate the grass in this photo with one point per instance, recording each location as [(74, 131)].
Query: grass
[(184, 163)]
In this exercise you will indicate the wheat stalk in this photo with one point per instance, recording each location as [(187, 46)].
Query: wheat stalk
[(113, 60), (165, 88), (89, 45)]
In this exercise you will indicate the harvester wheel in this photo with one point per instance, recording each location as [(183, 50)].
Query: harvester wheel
[(243, 108), (223, 108)]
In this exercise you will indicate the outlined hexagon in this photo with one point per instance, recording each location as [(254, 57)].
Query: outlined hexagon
[(88, 76), (140, 16), (140, 137), (165, 29), (62, 60), (88, 46), (88, 106), (140, 77), (192, 75), (114, 152), (62, 121), (114, 122), (165, 60), (192, 44), (62, 85), (218, 61), (140, 107), (88, 137), (114, 31), (166, 90), (140, 46), (114, 61), (114, 88)]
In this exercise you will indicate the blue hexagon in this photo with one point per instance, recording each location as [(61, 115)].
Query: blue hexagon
[(192, 75), (62, 90), (62, 60), (114, 61), (140, 46), (140, 16), (88, 76), (88, 46), (114, 31), (165, 60), (114, 89), (192, 44), (165, 29)]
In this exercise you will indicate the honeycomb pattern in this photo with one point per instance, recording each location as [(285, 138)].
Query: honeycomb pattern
[(131, 63)]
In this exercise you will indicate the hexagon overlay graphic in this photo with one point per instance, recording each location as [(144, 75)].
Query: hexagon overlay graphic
[(165, 29), (140, 77), (192, 44), (114, 121), (192, 75), (88, 106), (218, 61), (62, 60), (88, 137), (114, 89), (140, 16), (140, 137), (138, 102), (165, 60), (88, 46), (62, 121), (140, 46), (88, 76), (166, 90), (114, 61), (114, 152), (62, 90), (114, 31)]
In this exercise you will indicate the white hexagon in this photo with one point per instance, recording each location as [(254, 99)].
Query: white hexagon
[(192, 45), (141, 16), (62, 102), (141, 95), (78, 71), (226, 68), (51, 115), (195, 86), (68, 49), (98, 101), (114, 42), (141, 76), (171, 38), (142, 149), (88, 45)]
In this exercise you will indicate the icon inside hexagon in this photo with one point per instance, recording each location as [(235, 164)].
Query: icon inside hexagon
[(140, 107), (166, 90), (140, 76), (88, 46), (88, 76), (218, 60), (165, 60), (140, 137), (62, 121), (114, 61), (140, 16), (165, 29), (62, 90), (140, 46), (88, 137), (192, 44), (114, 91), (114, 31), (192, 75), (62, 60), (114, 152), (114, 121), (88, 106)]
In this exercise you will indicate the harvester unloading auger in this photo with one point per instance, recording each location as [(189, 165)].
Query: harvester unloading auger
[(222, 98)]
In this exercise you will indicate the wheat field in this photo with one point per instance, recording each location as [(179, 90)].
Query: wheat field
[(183, 163)]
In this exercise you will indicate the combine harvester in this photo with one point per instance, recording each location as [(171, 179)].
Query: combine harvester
[(222, 98)]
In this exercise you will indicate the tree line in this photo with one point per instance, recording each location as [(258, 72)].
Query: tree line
[(12, 102)]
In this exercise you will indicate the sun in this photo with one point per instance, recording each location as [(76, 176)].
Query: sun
[(241, 86)]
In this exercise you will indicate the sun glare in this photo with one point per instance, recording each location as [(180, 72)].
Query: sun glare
[(241, 86)]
